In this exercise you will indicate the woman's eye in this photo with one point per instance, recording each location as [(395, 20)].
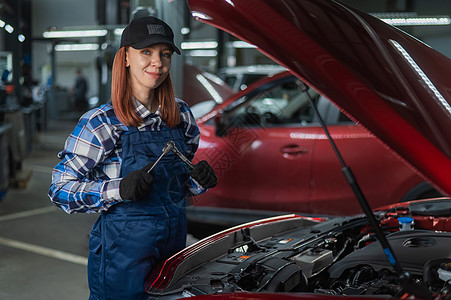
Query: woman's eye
[(146, 52), (167, 55)]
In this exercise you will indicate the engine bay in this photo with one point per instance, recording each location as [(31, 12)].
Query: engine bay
[(341, 256)]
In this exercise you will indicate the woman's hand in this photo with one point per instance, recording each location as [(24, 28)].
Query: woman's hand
[(136, 185), (204, 174)]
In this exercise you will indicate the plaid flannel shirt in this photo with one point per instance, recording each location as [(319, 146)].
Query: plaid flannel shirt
[(87, 178)]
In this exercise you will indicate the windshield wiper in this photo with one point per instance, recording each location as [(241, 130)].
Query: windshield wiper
[(405, 278)]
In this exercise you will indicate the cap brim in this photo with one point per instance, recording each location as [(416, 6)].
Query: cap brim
[(152, 41)]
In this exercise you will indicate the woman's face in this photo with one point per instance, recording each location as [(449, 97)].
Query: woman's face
[(148, 67)]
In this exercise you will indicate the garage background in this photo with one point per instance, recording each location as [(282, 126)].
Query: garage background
[(43, 252)]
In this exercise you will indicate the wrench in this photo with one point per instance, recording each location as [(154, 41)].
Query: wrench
[(181, 156), (168, 147)]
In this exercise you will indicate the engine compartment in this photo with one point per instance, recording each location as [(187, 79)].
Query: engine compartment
[(337, 257)]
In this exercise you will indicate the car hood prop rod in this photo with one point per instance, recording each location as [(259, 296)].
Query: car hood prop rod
[(405, 277)]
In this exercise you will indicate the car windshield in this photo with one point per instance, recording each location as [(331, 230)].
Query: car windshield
[(281, 104)]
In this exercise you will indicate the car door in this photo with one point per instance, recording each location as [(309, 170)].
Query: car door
[(372, 164)]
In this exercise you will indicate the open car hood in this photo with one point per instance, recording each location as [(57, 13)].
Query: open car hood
[(295, 257), (384, 79)]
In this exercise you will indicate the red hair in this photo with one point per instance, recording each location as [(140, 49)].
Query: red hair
[(121, 96)]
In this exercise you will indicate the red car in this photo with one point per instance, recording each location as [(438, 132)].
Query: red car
[(399, 89), (294, 257), (271, 154)]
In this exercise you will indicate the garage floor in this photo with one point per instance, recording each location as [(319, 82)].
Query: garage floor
[(43, 251)]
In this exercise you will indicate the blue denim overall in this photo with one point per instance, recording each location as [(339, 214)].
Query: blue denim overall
[(129, 239)]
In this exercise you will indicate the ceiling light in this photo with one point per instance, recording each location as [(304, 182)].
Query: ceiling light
[(75, 33), (9, 28), (214, 78), (76, 47), (21, 38), (203, 53), (211, 90), (185, 30), (417, 21), (241, 44), (199, 45), (412, 19), (118, 31), (2, 23)]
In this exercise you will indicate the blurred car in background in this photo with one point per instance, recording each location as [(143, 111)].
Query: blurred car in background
[(241, 76), (271, 155), (201, 86), (204, 90)]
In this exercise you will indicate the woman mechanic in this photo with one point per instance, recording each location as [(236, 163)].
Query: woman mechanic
[(105, 162)]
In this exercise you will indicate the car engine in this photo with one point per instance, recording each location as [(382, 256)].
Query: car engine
[(341, 256)]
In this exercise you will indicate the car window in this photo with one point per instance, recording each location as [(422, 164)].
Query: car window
[(280, 105), (330, 113)]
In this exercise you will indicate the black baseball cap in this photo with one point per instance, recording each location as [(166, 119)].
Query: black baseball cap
[(147, 31)]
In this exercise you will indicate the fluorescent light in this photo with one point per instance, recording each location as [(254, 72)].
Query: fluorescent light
[(185, 30), (76, 47), (21, 38), (418, 21), (214, 78), (241, 44), (9, 28), (203, 53), (2, 23), (211, 90), (199, 45), (118, 31), (75, 33), (411, 19)]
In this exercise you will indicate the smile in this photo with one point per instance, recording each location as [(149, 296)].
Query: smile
[(154, 74)]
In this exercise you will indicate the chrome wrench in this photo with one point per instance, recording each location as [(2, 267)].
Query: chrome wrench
[(181, 156), (168, 147)]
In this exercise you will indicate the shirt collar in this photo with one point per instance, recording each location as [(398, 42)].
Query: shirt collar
[(142, 111)]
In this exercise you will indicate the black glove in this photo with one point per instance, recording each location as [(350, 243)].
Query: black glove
[(203, 173), (136, 184)]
